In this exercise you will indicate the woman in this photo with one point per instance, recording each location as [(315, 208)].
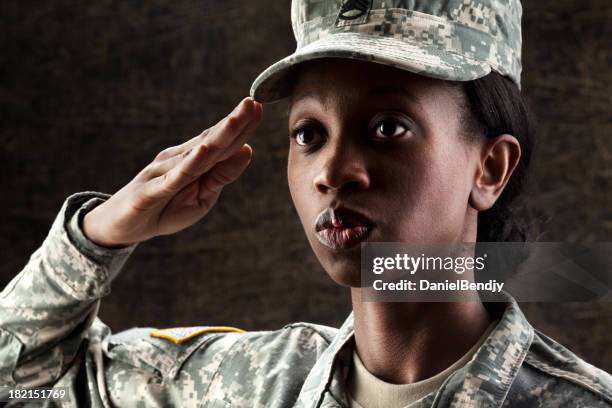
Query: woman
[(399, 132)]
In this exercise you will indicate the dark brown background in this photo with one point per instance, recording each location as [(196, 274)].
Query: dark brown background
[(91, 91)]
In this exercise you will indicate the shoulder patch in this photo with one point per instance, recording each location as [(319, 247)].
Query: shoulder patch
[(182, 334)]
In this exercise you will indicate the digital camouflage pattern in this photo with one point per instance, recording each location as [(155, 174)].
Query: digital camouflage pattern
[(50, 336), (458, 40)]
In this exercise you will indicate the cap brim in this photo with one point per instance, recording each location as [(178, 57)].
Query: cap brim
[(275, 82)]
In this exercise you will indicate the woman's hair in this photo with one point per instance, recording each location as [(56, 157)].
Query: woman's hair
[(497, 107)]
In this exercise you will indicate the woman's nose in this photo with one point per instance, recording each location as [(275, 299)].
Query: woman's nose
[(342, 168)]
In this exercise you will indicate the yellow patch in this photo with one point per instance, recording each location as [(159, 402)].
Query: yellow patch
[(182, 334)]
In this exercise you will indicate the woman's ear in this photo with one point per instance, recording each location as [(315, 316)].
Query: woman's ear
[(498, 159)]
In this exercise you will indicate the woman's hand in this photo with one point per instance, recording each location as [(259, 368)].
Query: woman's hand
[(180, 186)]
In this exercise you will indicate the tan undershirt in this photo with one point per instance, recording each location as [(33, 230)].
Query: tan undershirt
[(367, 391)]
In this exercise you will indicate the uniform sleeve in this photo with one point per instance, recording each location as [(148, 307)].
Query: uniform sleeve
[(47, 310)]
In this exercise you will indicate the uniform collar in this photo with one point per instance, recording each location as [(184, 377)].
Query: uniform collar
[(330, 371), (486, 379), (483, 382)]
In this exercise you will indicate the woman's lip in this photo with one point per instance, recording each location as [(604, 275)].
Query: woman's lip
[(340, 218), (344, 237)]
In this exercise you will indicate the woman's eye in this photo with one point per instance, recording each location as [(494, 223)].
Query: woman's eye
[(304, 136), (390, 128)]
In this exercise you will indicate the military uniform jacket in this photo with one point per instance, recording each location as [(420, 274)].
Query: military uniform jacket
[(50, 336)]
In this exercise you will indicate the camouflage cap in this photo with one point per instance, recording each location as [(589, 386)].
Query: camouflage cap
[(458, 40)]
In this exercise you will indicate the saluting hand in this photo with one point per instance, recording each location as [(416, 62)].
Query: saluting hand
[(180, 186)]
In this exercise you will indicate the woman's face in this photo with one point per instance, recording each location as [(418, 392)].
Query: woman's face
[(377, 154)]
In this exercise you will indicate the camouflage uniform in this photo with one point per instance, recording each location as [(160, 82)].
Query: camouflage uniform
[(50, 335)]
